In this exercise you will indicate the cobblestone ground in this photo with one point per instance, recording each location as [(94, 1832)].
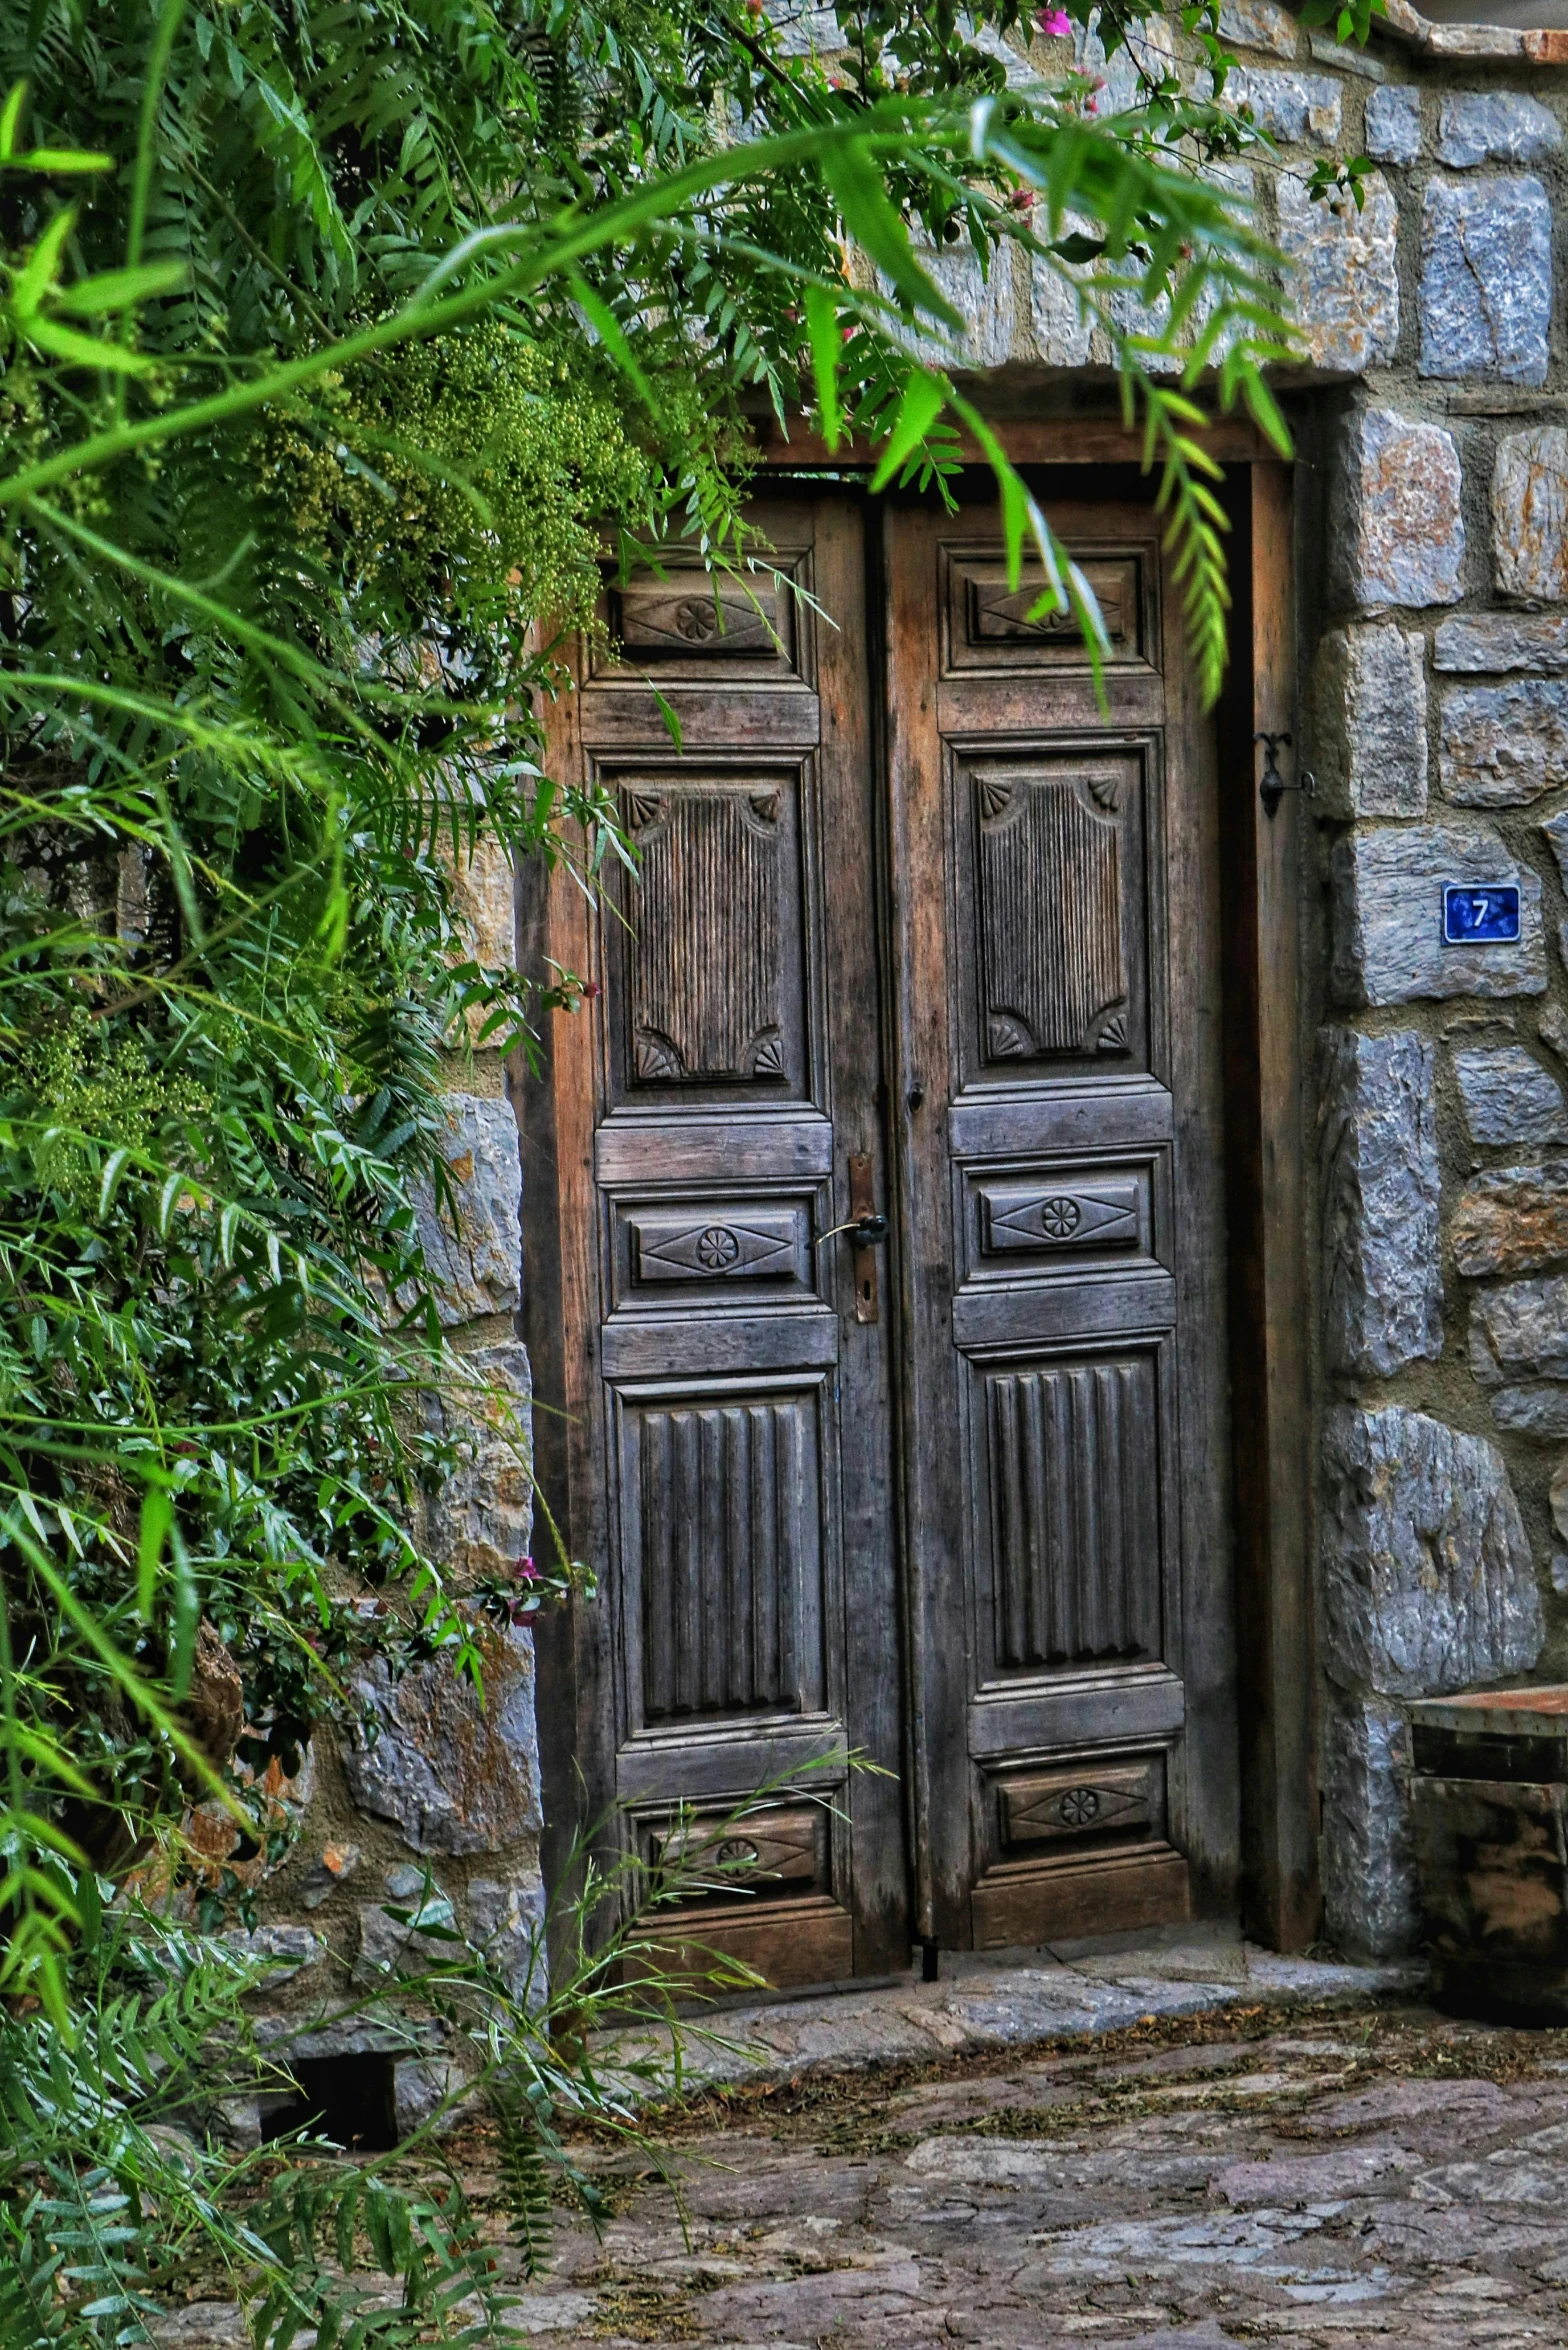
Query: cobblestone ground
[(1380, 2174)]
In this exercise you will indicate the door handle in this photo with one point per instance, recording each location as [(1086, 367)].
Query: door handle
[(864, 1231), (866, 1226), (869, 1226)]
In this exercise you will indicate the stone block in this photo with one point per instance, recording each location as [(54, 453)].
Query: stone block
[(1555, 829), (455, 1776), (354, 2033), (1299, 109), (1538, 1411), (1258, 24), (322, 1879), (483, 902), (1426, 1579), (1346, 57), (1474, 40), (1343, 287), (476, 1260), (1394, 125), (1382, 1286), (237, 2125), (1371, 723), (479, 1520), (984, 303), (424, 2088), (1514, 1220), (278, 1952), (1060, 325), (392, 1946), (1151, 319), (1502, 746), (1370, 1901), (1519, 1330), (1486, 279), (805, 32), (1530, 517), (1388, 916), (1557, 1496), (507, 1922), (1508, 1097), (1495, 126), (1021, 75), (1155, 44), (1500, 641), (1399, 535)]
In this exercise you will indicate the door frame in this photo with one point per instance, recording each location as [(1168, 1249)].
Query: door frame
[(1266, 1207)]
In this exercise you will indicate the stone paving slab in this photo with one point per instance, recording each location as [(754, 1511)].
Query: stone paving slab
[(1218, 2172), (1051, 1994)]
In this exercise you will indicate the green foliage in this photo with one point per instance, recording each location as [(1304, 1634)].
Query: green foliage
[(119, 2193)]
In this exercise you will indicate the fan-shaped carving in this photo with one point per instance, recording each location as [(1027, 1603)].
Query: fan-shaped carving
[(996, 797), (768, 1058), (1009, 1037), (1106, 791), (656, 1056), (765, 805), (1113, 1033), (643, 808)]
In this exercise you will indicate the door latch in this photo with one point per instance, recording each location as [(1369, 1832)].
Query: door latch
[(1272, 786)]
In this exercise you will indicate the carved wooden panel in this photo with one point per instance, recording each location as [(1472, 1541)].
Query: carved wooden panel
[(1085, 1799), (727, 1554), (765, 1851), (691, 629), (1074, 1468), (990, 625), (1051, 886), (754, 1244), (691, 613), (713, 922), (1047, 1217)]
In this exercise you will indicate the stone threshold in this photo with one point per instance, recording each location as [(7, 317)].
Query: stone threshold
[(1065, 1991)]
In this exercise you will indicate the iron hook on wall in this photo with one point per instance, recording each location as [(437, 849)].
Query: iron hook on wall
[(1273, 787)]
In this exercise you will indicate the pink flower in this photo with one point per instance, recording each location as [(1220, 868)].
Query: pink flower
[(1055, 23)]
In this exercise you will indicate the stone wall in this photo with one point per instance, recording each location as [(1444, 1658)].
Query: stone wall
[(441, 1806), (1437, 719)]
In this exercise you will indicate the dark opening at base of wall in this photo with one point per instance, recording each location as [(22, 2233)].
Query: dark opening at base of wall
[(349, 2099)]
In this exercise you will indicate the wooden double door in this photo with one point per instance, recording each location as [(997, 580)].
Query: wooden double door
[(877, 1246)]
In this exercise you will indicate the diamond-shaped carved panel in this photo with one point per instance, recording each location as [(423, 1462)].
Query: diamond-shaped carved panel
[(1086, 1799), (993, 625), (693, 613), (1041, 1218), (761, 1245)]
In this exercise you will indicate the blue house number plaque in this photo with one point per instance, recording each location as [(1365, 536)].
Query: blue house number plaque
[(1480, 913)]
